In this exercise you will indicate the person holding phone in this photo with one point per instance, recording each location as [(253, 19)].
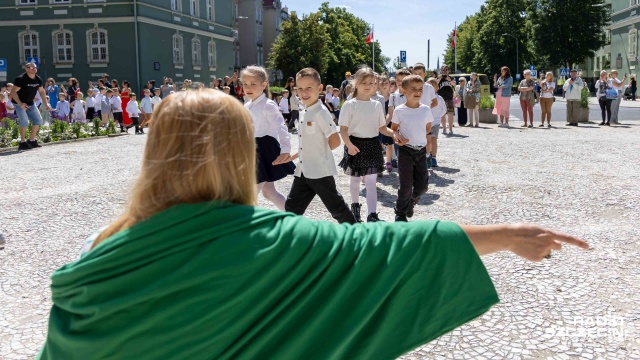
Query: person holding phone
[(167, 87)]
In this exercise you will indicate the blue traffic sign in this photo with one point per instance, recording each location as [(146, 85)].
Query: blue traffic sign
[(3, 64), (534, 73), (564, 71), (517, 76), (403, 56), (34, 60), (532, 67)]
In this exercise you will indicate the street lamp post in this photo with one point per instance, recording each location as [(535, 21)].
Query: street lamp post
[(517, 53)]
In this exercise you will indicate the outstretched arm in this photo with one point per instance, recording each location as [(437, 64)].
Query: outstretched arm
[(527, 241)]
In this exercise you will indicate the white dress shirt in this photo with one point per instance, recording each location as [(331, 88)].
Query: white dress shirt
[(315, 127), (132, 108), (268, 121)]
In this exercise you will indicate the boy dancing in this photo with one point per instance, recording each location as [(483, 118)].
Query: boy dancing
[(315, 172)]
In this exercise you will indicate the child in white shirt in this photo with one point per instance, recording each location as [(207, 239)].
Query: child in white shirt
[(316, 170), (90, 103), (284, 106), (361, 119), (146, 109), (116, 108), (134, 113), (296, 106), (273, 141), (79, 109), (413, 120)]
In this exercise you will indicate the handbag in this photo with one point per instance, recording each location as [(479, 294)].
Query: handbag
[(470, 101), (612, 94)]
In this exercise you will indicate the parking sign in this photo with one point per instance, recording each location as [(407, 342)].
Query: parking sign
[(3, 69), (403, 56)]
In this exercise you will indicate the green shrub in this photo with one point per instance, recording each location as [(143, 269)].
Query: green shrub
[(584, 98), (276, 89), (487, 102)]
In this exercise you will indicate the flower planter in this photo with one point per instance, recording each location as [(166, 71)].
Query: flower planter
[(583, 115), (487, 117)]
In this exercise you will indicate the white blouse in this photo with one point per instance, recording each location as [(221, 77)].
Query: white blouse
[(268, 121), (363, 118)]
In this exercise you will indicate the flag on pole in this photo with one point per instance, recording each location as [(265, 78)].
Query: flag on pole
[(370, 37), (453, 38)]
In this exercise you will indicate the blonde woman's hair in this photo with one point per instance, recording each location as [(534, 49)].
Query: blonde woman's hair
[(259, 73), (200, 149), (546, 76), (360, 77)]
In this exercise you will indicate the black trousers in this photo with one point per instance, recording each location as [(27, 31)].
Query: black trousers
[(135, 121), (117, 116), (605, 108), (414, 177), (303, 190), (295, 115)]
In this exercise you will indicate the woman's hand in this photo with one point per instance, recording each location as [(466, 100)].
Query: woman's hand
[(281, 159), (527, 241)]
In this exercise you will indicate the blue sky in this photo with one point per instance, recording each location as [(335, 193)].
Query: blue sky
[(404, 24)]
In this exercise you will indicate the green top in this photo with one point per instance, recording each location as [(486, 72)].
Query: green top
[(223, 281)]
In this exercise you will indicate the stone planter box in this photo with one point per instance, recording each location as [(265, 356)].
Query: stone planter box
[(583, 115), (487, 117)]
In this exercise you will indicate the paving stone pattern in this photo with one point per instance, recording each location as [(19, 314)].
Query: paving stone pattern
[(583, 181)]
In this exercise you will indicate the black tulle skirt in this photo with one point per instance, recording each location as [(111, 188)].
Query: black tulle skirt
[(267, 151), (367, 162)]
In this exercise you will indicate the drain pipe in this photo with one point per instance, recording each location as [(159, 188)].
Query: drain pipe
[(135, 24)]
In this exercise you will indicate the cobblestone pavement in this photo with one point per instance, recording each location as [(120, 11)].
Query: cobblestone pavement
[(577, 305)]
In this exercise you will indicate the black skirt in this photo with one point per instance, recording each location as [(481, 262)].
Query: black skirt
[(367, 162), (267, 151)]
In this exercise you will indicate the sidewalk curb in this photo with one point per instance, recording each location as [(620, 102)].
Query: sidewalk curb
[(15, 148)]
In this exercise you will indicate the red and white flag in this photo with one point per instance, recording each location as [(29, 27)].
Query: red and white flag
[(370, 37), (453, 38)]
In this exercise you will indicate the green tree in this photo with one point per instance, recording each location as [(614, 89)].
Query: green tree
[(567, 32), (348, 34), (301, 43), (396, 63), (465, 36)]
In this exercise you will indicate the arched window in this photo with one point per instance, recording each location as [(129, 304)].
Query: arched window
[(178, 50), (62, 46), (97, 46), (29, 41), (212, 55), (196, 52)]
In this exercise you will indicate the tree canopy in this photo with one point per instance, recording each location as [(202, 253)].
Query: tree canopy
[(331, 40), (549, 33)]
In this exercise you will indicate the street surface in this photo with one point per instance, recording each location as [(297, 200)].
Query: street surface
[(583, 181)]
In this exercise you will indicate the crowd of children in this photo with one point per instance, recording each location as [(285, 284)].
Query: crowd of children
[(384, 123)]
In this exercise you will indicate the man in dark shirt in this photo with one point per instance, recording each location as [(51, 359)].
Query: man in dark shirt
[(343, 86), (105, 80), (446, 90), (22, 96)]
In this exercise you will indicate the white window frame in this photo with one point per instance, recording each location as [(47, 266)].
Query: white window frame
[(633, 42), (178, 50), (196, 53), (194, 8), (634, 2), (26, 2), (58, 2), (94, 1), (211, 10), (30, 47), (91, 46), (212, 54), (176, 5), (57, 46)]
